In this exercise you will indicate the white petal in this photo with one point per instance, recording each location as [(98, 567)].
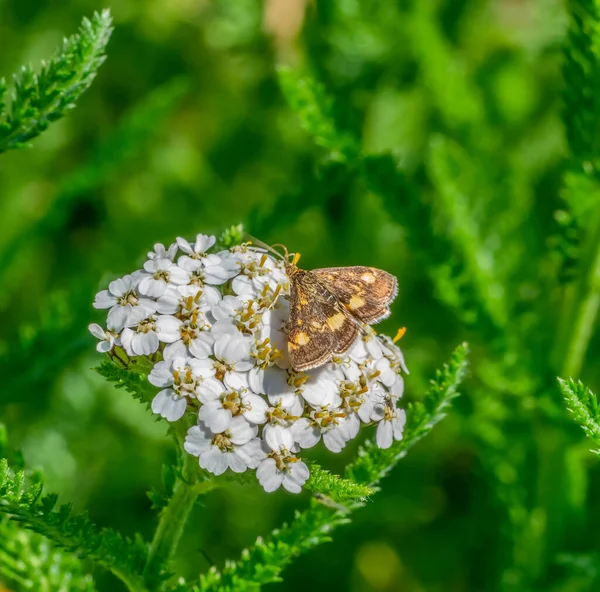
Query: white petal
[(168, 328), (398, 424), (242, 285), (161, 375), (275, 382), (334, 440), (306, 434), (104, 346), (385, 435), (210, 390), (120, 286), (241, 431), (202, 346), (198, 440), (178, 276), (175, 350), (145, 344), (215, 275), (278, 437), (258, 409), (202, 368), (127, 341), (138, 313), (168, 303), (236, 380), (353, 422), (169, 405), (151, 287), (117, 317), (214, 461), (104, 299), (97, 331), (320, 393), (251, 453), (236, 463), (215, 417), (268, 475), (203, 243), (188, 264), (184, 245), (210, 296), (296, 477)]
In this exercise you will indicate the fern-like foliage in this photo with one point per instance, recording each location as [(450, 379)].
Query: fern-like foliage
[(22, 500), (314, 107), (40, 98), (264, 562), (133, 378), (581, 72), (583, 406), (29, 562), (338, 489)]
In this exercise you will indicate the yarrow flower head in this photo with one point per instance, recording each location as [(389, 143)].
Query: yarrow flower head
[(214, 324)]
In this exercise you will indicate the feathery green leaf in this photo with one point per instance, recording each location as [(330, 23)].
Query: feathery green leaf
[(335, 487), (39, 99), (29, 562), (583, 406), (23, 501), (314, 107)]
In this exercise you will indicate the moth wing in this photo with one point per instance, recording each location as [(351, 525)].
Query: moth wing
[(366, 292), (309, 344)]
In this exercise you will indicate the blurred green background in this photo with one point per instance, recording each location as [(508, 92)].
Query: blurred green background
[(186, 130)]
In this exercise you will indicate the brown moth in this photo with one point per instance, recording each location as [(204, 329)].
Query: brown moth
[(329, 306)]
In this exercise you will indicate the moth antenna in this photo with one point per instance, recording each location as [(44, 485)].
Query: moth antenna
[(256, 241)]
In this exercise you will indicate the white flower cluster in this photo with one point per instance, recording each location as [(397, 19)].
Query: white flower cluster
[(217, 323)]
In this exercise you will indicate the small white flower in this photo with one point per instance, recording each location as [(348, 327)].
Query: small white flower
[(232, 360), (256, 271), (281, 467), (142, 340), (222, 405), (209, 269), (236, 448), (193, 333), (319, 388), (330, 423), (181, 376), (391, 427), (198, 250), (160, 252), (159, 273), (108, 338), (126, 306), (356, 399), (187, 301)]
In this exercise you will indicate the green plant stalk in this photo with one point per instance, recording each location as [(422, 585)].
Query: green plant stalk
[(582, 310), (174, 516)]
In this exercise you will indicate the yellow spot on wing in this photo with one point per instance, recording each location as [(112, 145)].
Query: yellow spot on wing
[(336, 321), (301, 339), (367, 277), (356, 302)]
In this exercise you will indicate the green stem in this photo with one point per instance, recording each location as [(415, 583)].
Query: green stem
[(582, 309), (174, 516)]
